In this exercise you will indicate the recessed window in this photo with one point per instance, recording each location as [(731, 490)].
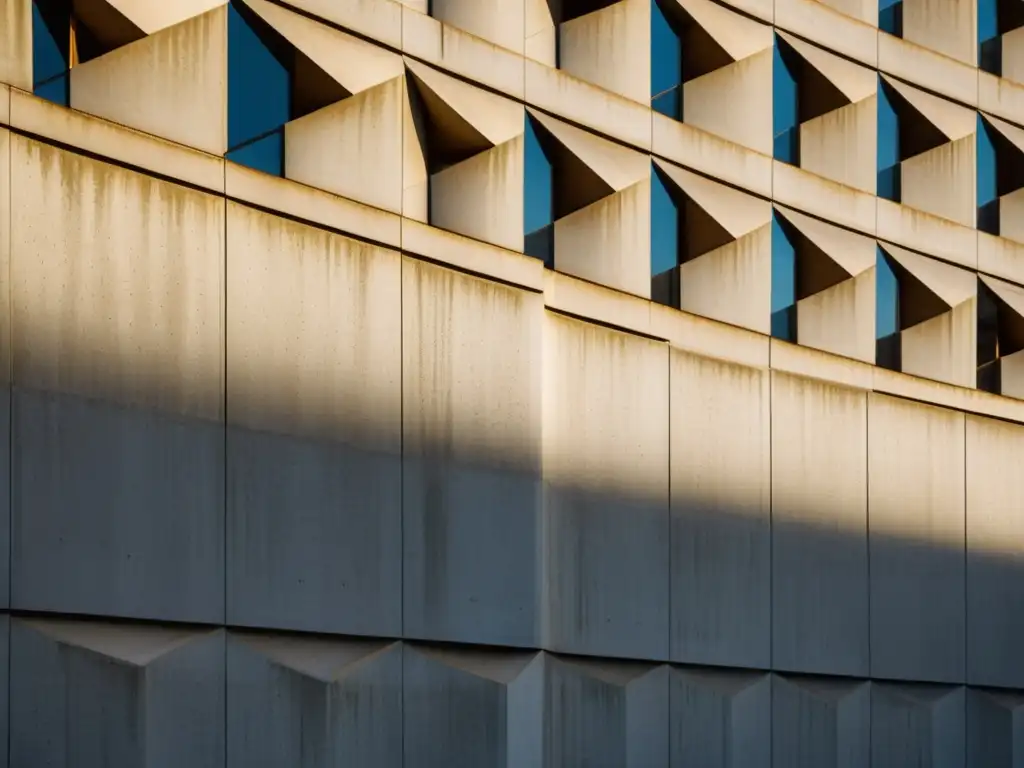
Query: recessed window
[(889, 176), (665, 241), (666, 65), (784, 279), (887, 314), (785, 105), (890, 17), (538, 203)]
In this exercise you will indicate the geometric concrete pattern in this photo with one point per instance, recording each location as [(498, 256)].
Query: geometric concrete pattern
[(513, 383)]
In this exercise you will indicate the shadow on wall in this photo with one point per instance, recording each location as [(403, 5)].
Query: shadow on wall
[(219, 417)]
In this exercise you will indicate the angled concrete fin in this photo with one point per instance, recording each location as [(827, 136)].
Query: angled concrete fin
[(324, 660), (737, 212), (495, 118), (618, 673), (136, 644), (737, 35), (501, 667), (106, 23), (352, 63), (150, 16), (1011, 133), (617, 166), (953, 121), (853, 81), (853, 253), (1012, 295), (951, 285)]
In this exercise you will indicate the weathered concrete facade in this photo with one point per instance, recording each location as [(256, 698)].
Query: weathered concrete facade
[(321, 465)]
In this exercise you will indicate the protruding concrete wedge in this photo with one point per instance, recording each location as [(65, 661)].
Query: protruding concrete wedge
[(155, 83), (852, 252), (325, 660), (949, 284), (737, 212), (151, 17), (617, 166), (953, 121), (1012, 295), (737, 35), (354, 64), (497, 666), (496, 119), (1012, 133), (137, 645), (853, 81), (106, 24)]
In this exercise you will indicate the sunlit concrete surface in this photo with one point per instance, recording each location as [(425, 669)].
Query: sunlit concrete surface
[(492, 409)]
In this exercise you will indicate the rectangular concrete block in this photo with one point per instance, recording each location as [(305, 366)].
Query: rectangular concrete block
[(721, 512), (472, 707), (720, 719), (606, 468), (605, 714), (314, 440), (819, 527), (309, 702), (89, 694), (117, 281), (917, 725), (916, 518), (995, 553), (995, 729), (820, 722), (471, 394)]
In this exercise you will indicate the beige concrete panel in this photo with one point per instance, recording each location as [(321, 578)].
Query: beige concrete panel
[(118, 284), (557, 92), (916, 519), (853, 81), (5, 104), (606, 477), (352, 63), (954, 286), (126, 146), (819, 527), (738, 213), (1001, 257), (618, 166), (737, 35), (999, 96), (995, 553), (702, 151), (352, 148), (1013, 55), (841, 145), (816, 364), (947, 26), (761, 9), (461, 53), (1012, 133), (806, 191), (941, 181), (609, 242), (932, 70), (474, 256), (155, 83), (849, 27), (606, 306), (313, 205), (1013, 295), (1011, 370), (151, 17), (372, 18), (925, 232), (541, 47), (498, 119), (732, 284), (721, 510), (315, 332), (610, 47), (945, 347), (692, 333), (498, 21), (734, 102), (954, 121), (420, 6), (841, 319), (16, 43), (1011, 216), (851, 251), (482, 197)]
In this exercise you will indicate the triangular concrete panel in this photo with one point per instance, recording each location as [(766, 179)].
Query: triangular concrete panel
[(738, 212), (618, 673), (737, 35), (951, 285), (136, 644), (1012, 295), (953, 121), (726, 683), (320, 659), (1012, 133), (501, 667), (617, 166), (151, 16), (354, 64), (854, 253), (496, 118), (853, 81)]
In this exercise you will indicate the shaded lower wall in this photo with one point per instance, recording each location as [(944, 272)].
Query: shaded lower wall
[(280, 498)]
